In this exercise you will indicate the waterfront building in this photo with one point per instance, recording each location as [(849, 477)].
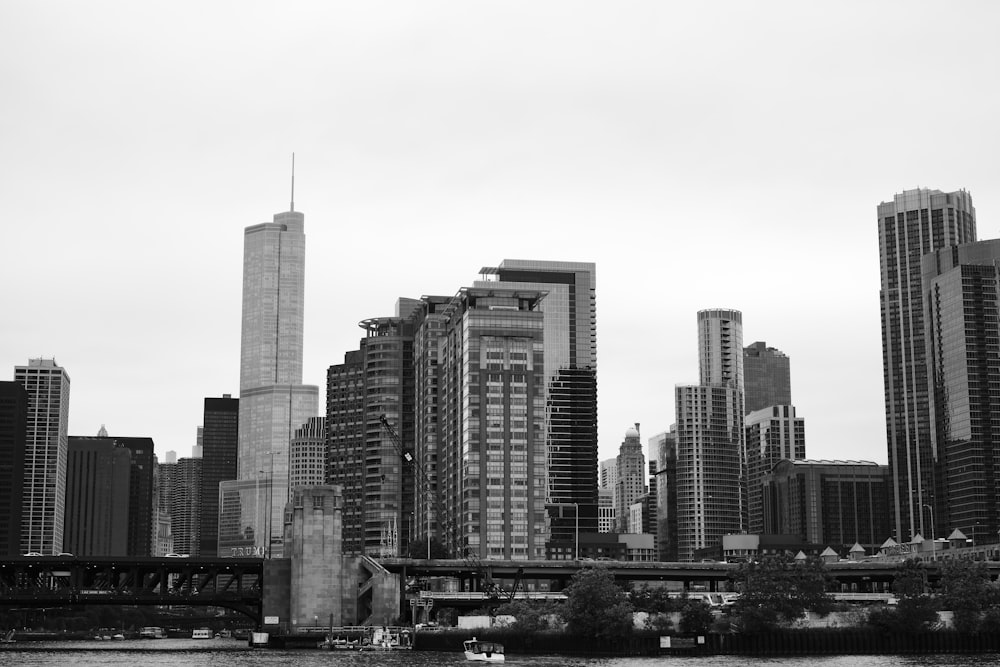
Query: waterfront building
[(219, 449), (833, 503), (631, 477), (962, 334), (13, 435), (180, 499), (345, 444), (711, 451), (570, 323), (273, 401), (913, 224), (43, 507)]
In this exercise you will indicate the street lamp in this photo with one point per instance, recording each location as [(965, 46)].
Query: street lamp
[(933, 534)]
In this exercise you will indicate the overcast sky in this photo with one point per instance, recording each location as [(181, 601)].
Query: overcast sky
[(703, 154)]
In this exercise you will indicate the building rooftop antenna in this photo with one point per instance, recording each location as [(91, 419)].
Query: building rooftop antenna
[(293, 183)]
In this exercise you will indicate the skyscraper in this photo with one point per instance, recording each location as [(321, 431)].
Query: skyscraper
[(47, 441), (630, 482), (13, 432), (665, 445), (97, 498), (963, 355), (570, 313), (766, 377), (913, 224), (273, 400), (219, 437), (711, 452), (773, 433)]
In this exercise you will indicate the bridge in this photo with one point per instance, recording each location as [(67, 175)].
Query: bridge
[(52, 581)]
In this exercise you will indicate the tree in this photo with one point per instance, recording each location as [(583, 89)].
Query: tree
[(595, 606), (966, 591), (696, 617), (532, 616), (777, 589), (653, 600), (915, 612)]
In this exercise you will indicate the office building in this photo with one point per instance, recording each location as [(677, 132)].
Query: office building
[(631, 477), (140, 526), (183, 490), (833, 503), (219, 448), (606, 510), (766, 377), (772, 434), (962, 333), (273, 400), (13, 434), (913, 224), (570, 314), (43, 506), (98, 498), (711, 452)]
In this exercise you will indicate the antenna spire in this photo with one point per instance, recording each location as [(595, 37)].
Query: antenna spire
[(293, 183)]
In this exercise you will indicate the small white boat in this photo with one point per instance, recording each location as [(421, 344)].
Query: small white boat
[(388, 639), (202, 633), (483, 651), (152, 632)]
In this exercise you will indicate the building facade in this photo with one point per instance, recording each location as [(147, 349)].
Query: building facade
[(665, 480), (913, 224), (962, 334), (307, 454), (273, 400), (345, 444), (13, 435), (43, 507), (711, 447)]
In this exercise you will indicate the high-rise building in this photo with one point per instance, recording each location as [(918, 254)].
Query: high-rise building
[(141, 533), (307, 454), (631, 477), (665, 446), (47, 440), (605, 510), (711, 447), (345, 444), (913, 224), (98, 499), (962, 333), (490, 397), (219, 438), (13, 433), (767, 378), (570, 313), (273, 400), (183, 490), (773, 433), (833, 503)]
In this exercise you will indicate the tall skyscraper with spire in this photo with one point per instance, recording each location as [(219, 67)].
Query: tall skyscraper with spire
[(913, 224), (273, 400)]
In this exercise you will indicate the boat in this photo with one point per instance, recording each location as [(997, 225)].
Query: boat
[(202, 633), (388, 639), (483, 651), (152, 632), (8, 638), (339, 644)]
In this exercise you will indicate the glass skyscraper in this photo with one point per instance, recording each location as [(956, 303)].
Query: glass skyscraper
[(913, 224), (273, 400)]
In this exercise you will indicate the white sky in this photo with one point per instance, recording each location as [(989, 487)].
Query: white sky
[(703, 154)]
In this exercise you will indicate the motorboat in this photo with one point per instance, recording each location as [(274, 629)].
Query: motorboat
[(388, 639), (478, 651), (202, 633), (152, 632)]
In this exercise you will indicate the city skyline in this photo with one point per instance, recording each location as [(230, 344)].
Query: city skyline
[(701, 158)]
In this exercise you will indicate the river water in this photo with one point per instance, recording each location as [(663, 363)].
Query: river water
[(224, 653)]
